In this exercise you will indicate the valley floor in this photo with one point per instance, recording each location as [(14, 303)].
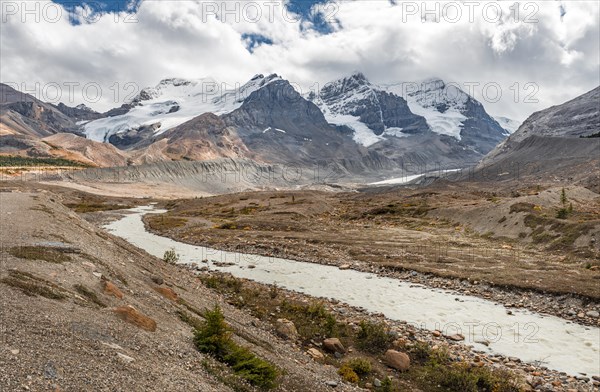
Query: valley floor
[(421, 235), (63, 323)]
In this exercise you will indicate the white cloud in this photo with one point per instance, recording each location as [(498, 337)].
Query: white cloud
[(184, 39)]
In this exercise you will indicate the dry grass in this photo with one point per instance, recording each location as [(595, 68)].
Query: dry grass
[(131, 315), (90, 206), (161, 222), (167, 293), (111, 289)]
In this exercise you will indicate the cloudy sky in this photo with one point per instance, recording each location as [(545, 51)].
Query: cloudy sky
[(515, 57)]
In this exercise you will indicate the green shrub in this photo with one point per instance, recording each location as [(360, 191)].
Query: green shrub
[(386, 385), (223, 283), (255, 370), (171, 256), (460, 377), (420, 352), (348, 374), (214, 337), (313, 321), (361, 366), (373, 337), (562, 213)]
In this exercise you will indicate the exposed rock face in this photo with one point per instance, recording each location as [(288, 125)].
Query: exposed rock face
[(24, 114), (202, 138), (377, 109), (134, 138), (315, 354), (131, 315), (79, 112), (279, 106), (70, 146), (351, 123), (279, 125)]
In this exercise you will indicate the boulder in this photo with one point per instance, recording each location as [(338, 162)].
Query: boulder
[(286, 328), (397, 360), (333, 345), (315, 354), (456, 337)]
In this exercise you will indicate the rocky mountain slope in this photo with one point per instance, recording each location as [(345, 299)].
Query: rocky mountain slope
[(32, 128), (350, 119), (350, 122), (561, 141), (171, 103), (23, 114)]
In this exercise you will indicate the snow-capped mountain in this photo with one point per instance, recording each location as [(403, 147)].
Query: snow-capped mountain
[(173, 102), (450, 111), (508, 124), (369, 111), (440, 105), (267, 119), (377, 113)]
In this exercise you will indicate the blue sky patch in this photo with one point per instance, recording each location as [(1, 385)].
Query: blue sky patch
[(254, 40)]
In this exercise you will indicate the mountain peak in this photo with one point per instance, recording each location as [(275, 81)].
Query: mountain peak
[(358, 75), (174, 82)]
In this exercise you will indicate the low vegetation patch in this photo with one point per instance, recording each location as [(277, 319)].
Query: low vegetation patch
[(313, 321), (165, 222), (373, 337), (460, 377), (407, 209), (214, 337), (90, 206), (45, 253), (431, 369), (32, 285), (11, 160), (521, 207), (227, 226)]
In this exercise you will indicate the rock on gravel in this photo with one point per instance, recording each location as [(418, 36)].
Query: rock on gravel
[(397, 360), (315, 354), (334, 345), (286, 328)]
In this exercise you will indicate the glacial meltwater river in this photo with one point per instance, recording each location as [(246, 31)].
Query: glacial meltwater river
[(555, 342)]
